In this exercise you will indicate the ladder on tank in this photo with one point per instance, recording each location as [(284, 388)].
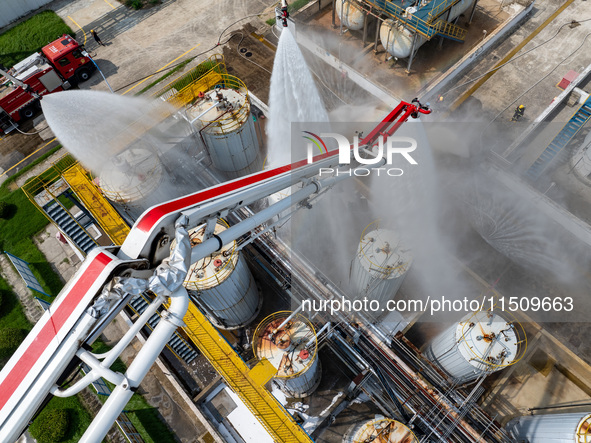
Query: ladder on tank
[(562, 139)]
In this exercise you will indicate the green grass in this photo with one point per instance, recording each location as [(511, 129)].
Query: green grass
[(194, 74), (13, 316), (16, 232), (30, 36), (145, 418), (31, 165), (16, 235), (11, 311), (168, 74), (79, 417)]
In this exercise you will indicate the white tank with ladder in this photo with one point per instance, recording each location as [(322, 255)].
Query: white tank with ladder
[(380, 265), (482, 342)]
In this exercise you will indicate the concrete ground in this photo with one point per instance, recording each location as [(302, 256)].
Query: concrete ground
[(431, 60), (138, 43), (531, 77)]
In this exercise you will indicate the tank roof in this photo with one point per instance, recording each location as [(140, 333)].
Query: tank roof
[(286, 346), (134, 174), (214, 269), (486, 339), (381, 253), (384, 430)]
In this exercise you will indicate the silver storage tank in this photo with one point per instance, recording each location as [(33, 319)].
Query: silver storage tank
[(131, 177), (350, 14), (552, 428), (380, 430), (288, 341), (223, 118), (397, 39), (380, 265), (482, 342), (223, 283)]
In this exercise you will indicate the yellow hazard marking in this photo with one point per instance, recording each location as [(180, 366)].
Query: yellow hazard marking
[(109, 4), (508, 57), (83, 32), (159, 70), (28, 156)]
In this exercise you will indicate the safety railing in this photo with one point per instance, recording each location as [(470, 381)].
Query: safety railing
[(247, 383), (215, 63), (439, 8), (105, 215)]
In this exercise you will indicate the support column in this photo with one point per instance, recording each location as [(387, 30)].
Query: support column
[(375, 45), (472, 12), (365, 29), (441, 38), (334, 25), (412, 53)]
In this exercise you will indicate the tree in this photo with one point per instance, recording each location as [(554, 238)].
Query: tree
[(10, 339), (50, 426)]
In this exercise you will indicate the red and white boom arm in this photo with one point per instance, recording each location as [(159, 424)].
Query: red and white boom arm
[(110, 277)]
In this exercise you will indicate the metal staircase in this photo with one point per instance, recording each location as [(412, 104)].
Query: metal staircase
[(247, 383), (426, 21), (562, 139), (106, 216), (176, 344), (74, 228)]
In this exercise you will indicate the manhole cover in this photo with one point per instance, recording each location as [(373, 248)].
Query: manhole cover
[(243, 50), (248, 54)]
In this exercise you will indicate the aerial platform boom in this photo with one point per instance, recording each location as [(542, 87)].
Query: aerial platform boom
[(110, 277)]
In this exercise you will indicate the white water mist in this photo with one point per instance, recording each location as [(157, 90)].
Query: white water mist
[(293, 97)]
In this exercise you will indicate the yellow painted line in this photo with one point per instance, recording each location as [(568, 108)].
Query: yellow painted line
[(508, 57), (80, 29), (159, 70), (32, 153), (109, 4)]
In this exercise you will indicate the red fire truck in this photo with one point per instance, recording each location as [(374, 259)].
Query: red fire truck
[(58, 65)]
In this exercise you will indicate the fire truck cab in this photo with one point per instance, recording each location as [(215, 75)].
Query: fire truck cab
[(59, 64), (65, 55)]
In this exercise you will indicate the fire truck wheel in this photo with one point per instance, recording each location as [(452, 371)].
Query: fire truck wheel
[(27, 112), (83, 74)]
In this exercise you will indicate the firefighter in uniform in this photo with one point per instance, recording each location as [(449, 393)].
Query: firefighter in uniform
[(518, 114)]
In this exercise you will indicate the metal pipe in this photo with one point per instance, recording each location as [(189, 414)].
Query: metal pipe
[(292, 315), (110, 356), (139, 367), (321, 331), (204, 112)]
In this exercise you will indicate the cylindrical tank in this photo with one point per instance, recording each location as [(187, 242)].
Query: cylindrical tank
[(397, 39), (227, 128), (552, 428), (223, 283), (380, 430), (380, 265), (482, 342), (350, 14), (289, 342), (132, 176), (582, 160)]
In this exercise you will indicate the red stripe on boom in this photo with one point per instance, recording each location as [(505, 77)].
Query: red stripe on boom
[(149, 220), (49, 331)]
